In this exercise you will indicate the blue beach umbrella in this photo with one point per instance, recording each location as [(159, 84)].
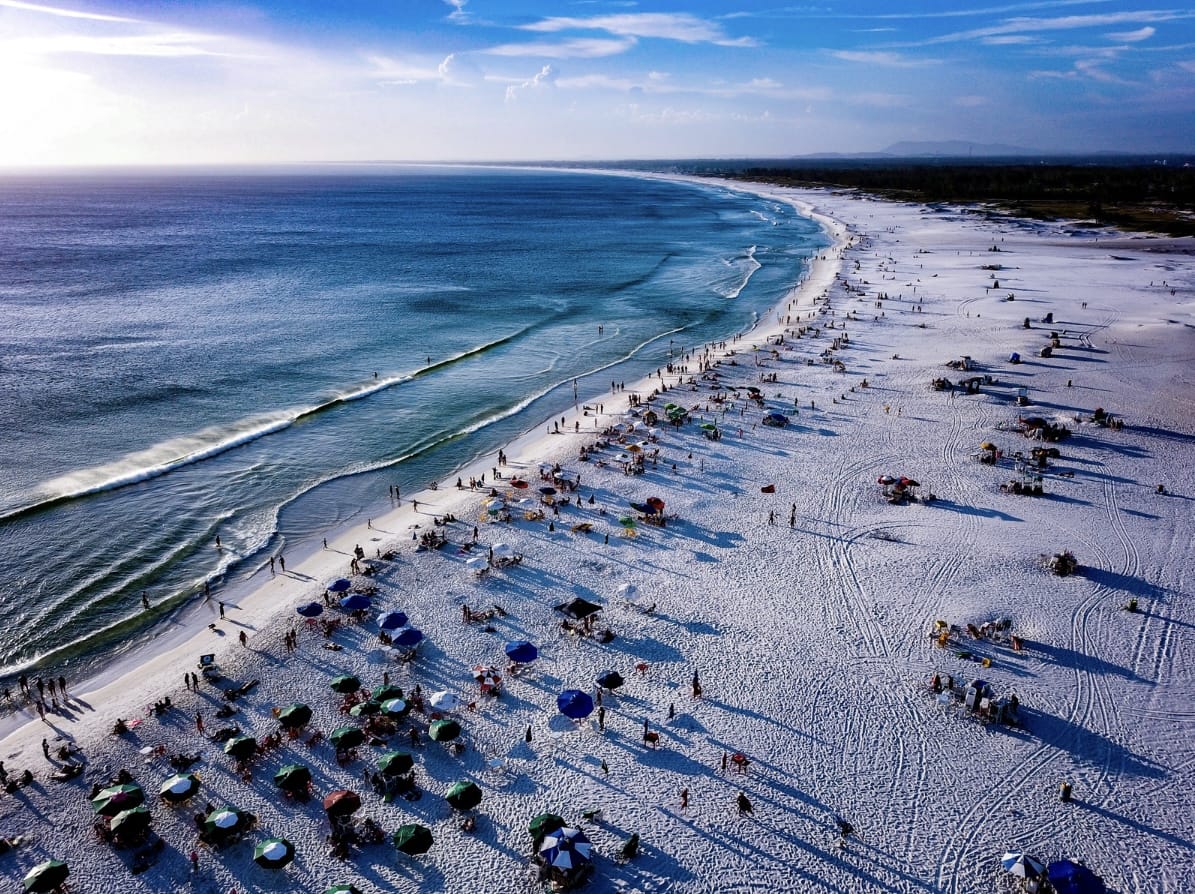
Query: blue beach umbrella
[(610, 679), (521, 652), (575, 704), (310, 610), (1068, 877), (340, 586), (355, 602), (392, 621), (1022, 866), (408, 637)]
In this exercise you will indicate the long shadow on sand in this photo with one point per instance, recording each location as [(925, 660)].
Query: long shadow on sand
[(1136, 825), (1088, 746), (1131, 584), (982, 512)]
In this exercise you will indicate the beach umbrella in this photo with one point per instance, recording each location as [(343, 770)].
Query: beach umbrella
[(708, 426), (518, 482), (486, 676), (443, 730), (464, 795), (179, 787), (340, 586), (629, 592), (1069, 877), (502, 551), (575, 704), (132, 821), (273, 853), (294, 716), (548, 491), (477, 564), (627, 522), (395, 707), (310, 610), (521, 651), (392, 621), (220, 823), (444, 700), (885, 480), (345, 684), (634, 448), (408, 637), (46, 877), (565, 849), (987, 445), (656, 503), (610, 680), (343, 802), (543, 824), (365, 708), (116, 798), (385, 692), (240, 747), (343, 889), (413, 839), (292, 777), (355, 602), (347, 737), (1022, 865), (395, 763)]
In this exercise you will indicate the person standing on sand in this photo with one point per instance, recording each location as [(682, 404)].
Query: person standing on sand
[(243, 638), (602, 719), (199, 723), (221, 611), (744, 804), (684, 799), (282, 563)]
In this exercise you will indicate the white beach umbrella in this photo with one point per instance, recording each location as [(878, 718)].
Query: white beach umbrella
[(503, 551), (1022, 865), (629, 592), (477, 564), (226, 819), (445, 701)]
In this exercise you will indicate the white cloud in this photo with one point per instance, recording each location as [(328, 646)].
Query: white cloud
[(1026, 25), (577, 48), (545, 77), (1134, 36), (1010, 40), (887, 59), (167, 44), (680, 27), (63, 13), (458, 13)]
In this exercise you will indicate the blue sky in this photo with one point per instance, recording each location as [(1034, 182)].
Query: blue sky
[(135, 81)]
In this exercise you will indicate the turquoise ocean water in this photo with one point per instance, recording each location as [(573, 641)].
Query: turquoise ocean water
[(259, 354)]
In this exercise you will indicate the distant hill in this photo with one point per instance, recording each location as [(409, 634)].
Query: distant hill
[(956, 149)]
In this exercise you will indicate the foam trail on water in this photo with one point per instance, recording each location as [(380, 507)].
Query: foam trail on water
[(751, 266)]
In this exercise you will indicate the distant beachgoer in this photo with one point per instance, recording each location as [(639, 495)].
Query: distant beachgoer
[(221, 609), (744, 803), (282, 563), (602, 719), (199, 722), (243, 638), (605, 769), (144, 600), (271, 564), (217, 541), (45, 748), (684, 799)]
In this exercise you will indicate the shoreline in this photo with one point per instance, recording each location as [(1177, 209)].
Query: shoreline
[(172, 649)]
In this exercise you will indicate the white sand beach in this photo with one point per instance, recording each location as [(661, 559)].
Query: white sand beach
[(808, 610)]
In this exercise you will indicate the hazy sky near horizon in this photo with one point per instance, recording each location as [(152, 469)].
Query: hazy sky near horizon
[(139, 81)]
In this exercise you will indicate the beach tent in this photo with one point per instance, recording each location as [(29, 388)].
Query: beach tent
[(293, 778), (392, 621), (295, 716), (1068, 877), (578, 608), (443, 730), (395, 763), (464, 795), (610, 680), (341, 803), (1023, 866), (241, 747), (345, 684), (273, 853), (575, 704), (179, 788), (413, 839), (116, 798), (444, 700), (340, 586), (355, 602), (543, 824), (45, 877), (521, 651), (346, 737), (385, 692), (408, 637), (310, 610)]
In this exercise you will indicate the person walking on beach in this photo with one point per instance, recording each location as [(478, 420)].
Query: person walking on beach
[(199, 723), (221, 611), (282, 563), (602, 719), (62, 685), (45, 748), (271, 564), (243, 638), (696, 686), (744, 804)]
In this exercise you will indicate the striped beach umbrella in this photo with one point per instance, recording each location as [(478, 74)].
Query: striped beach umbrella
[(565, 849), (116, 798), (179, 788), (273, 853)]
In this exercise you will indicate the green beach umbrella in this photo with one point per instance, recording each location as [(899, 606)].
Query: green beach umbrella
[(294, 716), (444, 730), (343, 889), (292, 777), (273, 853), (627, 522), (464, 795), (345, 684), (413, 839), (240, 747), (708, 426), (386, 692), (179, 788), (543, 824), (395, 763), (395, 707), (224, 821), (347, 737), (131, 821), (365, 709), (46, 876), (116, 798)]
